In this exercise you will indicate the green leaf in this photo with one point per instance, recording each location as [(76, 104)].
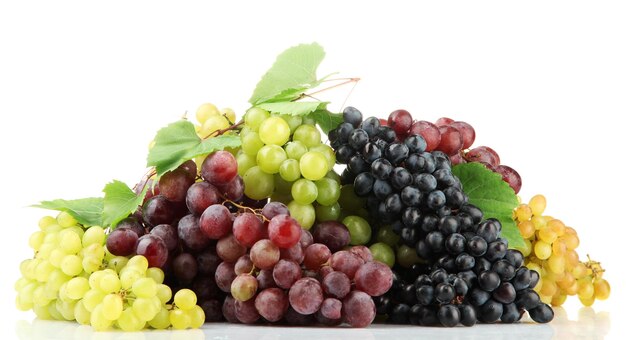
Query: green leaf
[(119, 202), (87, 211), (327, 120), (486, 190), (293, 72), (293, 108), (178, 142)]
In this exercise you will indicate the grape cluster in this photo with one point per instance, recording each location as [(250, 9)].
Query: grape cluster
[(550, 249), (283, 157), (274, 270)]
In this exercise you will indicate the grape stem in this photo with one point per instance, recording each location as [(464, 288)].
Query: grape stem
[(344, 82), (257, 212), (222, 131)]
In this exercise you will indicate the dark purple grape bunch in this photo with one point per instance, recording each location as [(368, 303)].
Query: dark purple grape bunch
[(405, 186), (475, 278)]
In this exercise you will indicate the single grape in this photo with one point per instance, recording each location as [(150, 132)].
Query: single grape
[(228, 249), (185, 267), (122, 242), (191, 234), (219, 167), (274, 130), (316, 255), (358, 309), (224, 276), (274, 208), (232, 190), (216, 221), (306, 296), (336, 284), (429, 131), (246, 312), (373, 278), (264, 254), (286, 273), (272, 304), (174, 184), (313, 165), (153, 249), (333, 234), (158, 210), (451, 140), (400, 121), (248, 228), (483, 154), (510, 176), (244, 287), (346, 262), (167, 233), (258, 184), (284, 231)]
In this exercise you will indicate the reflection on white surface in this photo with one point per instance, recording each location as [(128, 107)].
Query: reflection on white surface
[(587, 324)]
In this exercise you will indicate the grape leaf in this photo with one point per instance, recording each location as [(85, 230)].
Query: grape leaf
[(486, 190), (293, 72), (87, 211), (119, 202), (178, 142), (327, 120), (293, 108)]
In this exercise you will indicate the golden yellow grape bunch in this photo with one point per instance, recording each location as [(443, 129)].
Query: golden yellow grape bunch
[(550, 249)]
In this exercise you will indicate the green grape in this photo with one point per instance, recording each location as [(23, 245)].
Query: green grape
[(387, 236), (20, 304), (213, 124), (66, 309), (43, 313), (36, 240), (280, 197), (161, 320), (258, 184), (326, 151), (70, 242), (196, 314), (251, 143), (334, 176), (128, 276), (349, 200), (91, 264), (205, 111), (112, 306), (245, 162), (308, 135), (39, 296), (360, 230), (52, 310), (109, 283), (304, 191), (98, 321), (43, 270), (139, 262), (21, 283), (281, 185), (313, 165), (179, 319), (145, 287), (72, 265), (56, 279), (406, 256), (254, 117), (328, 191), (383, 253), (117, 263), (295, 150), (77, 288), (244, 131), (128, 322), (92, 298), (66, 220), (81, 313), (93, 235), (145, 309), (156, 274), (327, 213), (303, 213), (274, 131), (292, 121), (308, 121), (185, 299), (164, 293), (289, 170), (270, 157), (46, 222)]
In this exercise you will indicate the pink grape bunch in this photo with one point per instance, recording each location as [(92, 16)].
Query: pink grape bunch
[(454, 138)]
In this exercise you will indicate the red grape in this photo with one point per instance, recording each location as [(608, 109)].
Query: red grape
[(232, 190), (244, 265), (122, 242), (244, 287), (174, 184), (333, 234), (228, 309), (374, 278), (274, 208), (363, 252), (190, 168), (158, 210), (200, 196), (285, 273), (224, 276), (264, 254), (483, 154), (219, 167), (168, 234), (216, 221), (190, 233), (336, 284), (305, 296), (429, 131), (248, 229), (284, 231), (467, 132), (246, 312), (185, 267), (331, 308), (294, 253), (510, 176), (316, 255), (358, 309), (266, 279), (272, 304), (153, 249), (400, 121), (228, 249), (444, 121), (346, 262), (451, 140)]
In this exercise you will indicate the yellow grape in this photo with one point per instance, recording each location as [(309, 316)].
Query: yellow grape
[(179, 319), (556, 264), (46, 222), (557, 226), (547, 235), (527, 229), (542, 250), (539, 222), (585, 288), (66, 220), (161, 320), (558, 299), (523, 212), (537, 204), (98, 321), (587, 302), (112, 306), (205, 111), (602, 289)]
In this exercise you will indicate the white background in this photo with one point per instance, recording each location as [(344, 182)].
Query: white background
[(85, 85)]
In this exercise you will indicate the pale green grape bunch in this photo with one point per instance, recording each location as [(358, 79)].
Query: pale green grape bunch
[(73, 277), (65, 253), (282, 157)]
